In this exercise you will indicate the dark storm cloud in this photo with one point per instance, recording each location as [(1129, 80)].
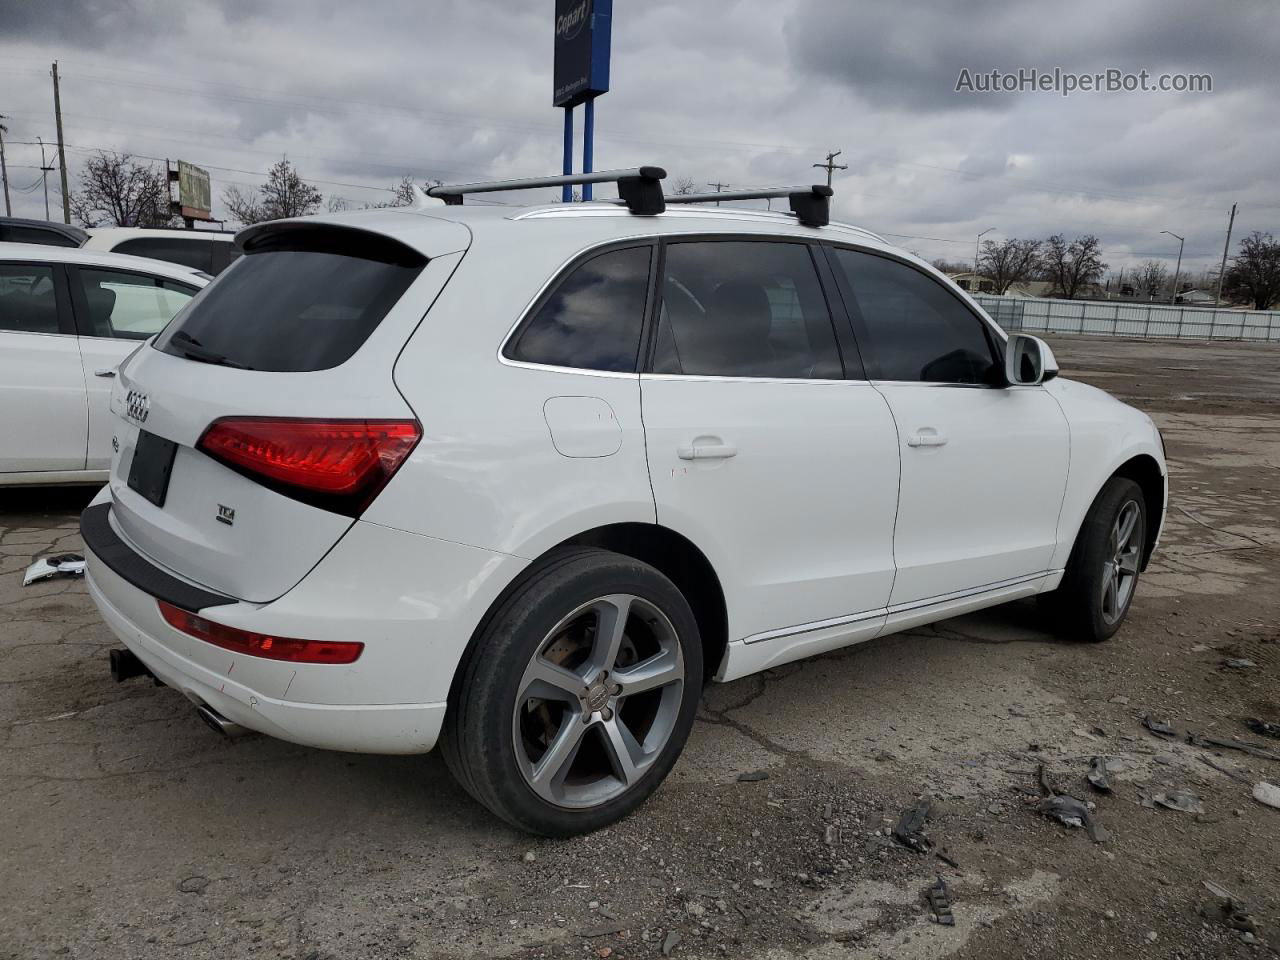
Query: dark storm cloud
[(910, 53), (90, 24)]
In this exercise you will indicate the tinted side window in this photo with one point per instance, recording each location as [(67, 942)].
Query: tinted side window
[(744, 309), (592, 320), (128, 306), (49, 238), (917, 330), (28, 299), (193, 252)]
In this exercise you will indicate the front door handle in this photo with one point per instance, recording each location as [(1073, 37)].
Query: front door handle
[(928, 437), (710, 448), (104, 372)]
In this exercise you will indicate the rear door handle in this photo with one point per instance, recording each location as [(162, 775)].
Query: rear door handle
[(707, 450), (927, 437), (104, 372)]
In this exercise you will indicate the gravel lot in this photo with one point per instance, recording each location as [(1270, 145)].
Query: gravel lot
[(130, 830)]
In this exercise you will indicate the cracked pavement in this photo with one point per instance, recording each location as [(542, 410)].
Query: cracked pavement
[(132, 831)]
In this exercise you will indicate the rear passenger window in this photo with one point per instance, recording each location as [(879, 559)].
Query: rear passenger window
[(744, 309), (917, 330), (188, 251), (592, 320), (28, 300), (129, 306)]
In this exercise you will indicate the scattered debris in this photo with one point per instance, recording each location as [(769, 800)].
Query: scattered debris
[(1073, 813), (604, 930), (1238, 663), (1234, 774), (59, 565), (1226, 908), (909, 830), (939, 899), (1268, 794), (947, 858), (1203, 741), (1158, 726), (1182, 800), (1264, 728), (193, 884), (1098, 775), (753, 776), (670, 942)]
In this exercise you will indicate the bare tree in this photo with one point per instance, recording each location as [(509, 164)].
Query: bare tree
[(1071, 267), (1151, 278), (285, 194), (1009, 262), (951, 266), (402, 192), (1254, 273), (117, 190), (337, 204), (683, 186)]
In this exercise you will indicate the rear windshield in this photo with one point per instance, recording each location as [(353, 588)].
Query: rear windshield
[(298, 302)]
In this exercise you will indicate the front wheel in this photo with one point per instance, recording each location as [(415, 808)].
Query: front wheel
[(578, 695), (1102, 573)]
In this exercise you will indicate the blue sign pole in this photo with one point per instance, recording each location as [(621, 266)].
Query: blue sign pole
[(588, 135), (566, 192)]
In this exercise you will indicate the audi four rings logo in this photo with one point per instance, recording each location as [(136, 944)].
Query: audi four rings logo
[(137, 406), (570, 24)]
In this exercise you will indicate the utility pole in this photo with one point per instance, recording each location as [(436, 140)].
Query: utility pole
[(4, 171), (44, 176), (62, 149), (831, 164), (719, 187), (1178, 269), (1222, 270), (974, 285)]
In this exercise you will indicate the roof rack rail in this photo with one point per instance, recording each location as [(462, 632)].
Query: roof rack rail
[(640, 188), (811, 205)]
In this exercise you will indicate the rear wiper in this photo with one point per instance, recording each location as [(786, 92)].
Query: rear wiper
[(193, 350)]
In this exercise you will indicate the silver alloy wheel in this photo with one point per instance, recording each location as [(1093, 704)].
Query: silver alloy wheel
[(1120, 565), (598, 701)]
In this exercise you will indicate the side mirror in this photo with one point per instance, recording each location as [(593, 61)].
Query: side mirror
[(1028, 361)]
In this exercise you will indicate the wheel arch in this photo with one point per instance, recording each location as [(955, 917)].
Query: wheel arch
[(672, 554), (1144, 470)]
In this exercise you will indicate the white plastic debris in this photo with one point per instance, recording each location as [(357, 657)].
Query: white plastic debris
[(1267, 793), (61, 565)]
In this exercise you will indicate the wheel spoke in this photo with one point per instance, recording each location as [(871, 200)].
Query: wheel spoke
[(625, 755), (553, 766), (1110, 588), (611, 624), (658, 671), (1125, 525), (547, 681), (1129, 561)]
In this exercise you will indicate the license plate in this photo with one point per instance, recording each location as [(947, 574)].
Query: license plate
[(151, 466)]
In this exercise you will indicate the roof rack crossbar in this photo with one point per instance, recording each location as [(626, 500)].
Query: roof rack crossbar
[(811, 205), (640, 188)]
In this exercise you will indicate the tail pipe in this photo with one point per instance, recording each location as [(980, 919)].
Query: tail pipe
[(220, 724)]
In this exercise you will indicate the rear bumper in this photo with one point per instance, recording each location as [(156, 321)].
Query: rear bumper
[(412, 600)]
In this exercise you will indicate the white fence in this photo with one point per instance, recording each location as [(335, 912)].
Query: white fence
[(1114, 318)]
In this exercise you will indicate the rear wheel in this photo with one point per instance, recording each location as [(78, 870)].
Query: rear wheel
[(578, 695), (1102, 573)]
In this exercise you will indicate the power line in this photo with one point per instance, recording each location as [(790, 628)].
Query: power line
[(831, 164)]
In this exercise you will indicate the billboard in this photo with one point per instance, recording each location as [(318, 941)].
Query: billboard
[(582, 50), (193, 191)]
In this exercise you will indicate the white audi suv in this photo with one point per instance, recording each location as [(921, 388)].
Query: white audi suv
[(519, 481)]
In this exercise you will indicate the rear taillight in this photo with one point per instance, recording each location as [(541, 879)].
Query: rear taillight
[(339, 465), (259, 644)]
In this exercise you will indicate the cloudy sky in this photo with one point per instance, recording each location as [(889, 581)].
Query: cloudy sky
[(748, 93)]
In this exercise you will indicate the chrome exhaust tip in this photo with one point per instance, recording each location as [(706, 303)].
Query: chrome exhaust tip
[(220, 724)]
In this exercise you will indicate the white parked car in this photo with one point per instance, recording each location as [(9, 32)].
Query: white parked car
[(67, 319), (209, 251), (518, 480)]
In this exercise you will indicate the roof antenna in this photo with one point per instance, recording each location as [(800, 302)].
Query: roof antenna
[(420, 200)]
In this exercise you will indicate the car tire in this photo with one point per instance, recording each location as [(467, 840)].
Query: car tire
[(560, 721), (1102, 573)]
